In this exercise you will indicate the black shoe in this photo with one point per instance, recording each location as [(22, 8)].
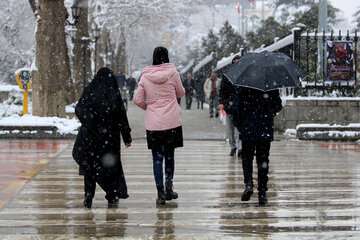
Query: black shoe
[(232, 152), (239, 154), (88, 201), (262, 199), (113, 203), (247, 193), (161, 199), (170, 194)]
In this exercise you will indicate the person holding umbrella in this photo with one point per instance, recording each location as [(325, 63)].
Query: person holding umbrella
[(259, 76)]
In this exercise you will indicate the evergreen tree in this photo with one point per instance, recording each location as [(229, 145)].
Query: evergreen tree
[(290, 3), (210, 44), (230, 41), (266, 34), (310, 17)]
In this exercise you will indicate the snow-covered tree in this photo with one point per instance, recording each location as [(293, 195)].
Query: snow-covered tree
[(230, 41), (142, 23), (357, 18), (16, 38)]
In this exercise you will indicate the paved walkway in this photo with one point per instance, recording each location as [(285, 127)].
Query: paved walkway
[(314, 194)]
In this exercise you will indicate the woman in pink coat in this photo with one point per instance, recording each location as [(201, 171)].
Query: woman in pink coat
[(159, 88)]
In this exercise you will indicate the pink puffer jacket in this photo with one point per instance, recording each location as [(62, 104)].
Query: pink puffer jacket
[(157, 93)]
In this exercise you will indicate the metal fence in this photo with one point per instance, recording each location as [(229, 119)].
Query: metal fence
[(329, 60)]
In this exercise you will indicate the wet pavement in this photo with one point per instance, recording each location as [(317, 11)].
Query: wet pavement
[(314, 193)]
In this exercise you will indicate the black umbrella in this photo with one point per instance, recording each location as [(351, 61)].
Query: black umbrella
[(264, 71)]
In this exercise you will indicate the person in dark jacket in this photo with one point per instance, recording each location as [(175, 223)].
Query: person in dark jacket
[(189, 86), (131, 85), (199, 91), (256, 113), (97, 147), (226, 97), (159, 88)]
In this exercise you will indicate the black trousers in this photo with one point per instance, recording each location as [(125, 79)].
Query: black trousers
[(111, 180), (189, 100), (262, 149)]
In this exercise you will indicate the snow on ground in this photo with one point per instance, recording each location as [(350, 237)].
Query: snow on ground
[(290, 133), (336, 134), (64, 125), (9, 88), (70, 108), (321, 98), (351, 125)]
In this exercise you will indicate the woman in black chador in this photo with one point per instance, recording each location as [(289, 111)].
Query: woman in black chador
[(97, 147)]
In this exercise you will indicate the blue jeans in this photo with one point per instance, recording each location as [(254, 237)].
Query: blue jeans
[(159, 154)]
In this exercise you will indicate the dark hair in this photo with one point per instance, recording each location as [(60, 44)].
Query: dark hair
[(160, 56), (237, 57)]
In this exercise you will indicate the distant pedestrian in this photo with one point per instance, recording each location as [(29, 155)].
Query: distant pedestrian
[(97, 147), (256, 113), (226, 100), (159, 88), (211, 90), (199, 91), (132, 86), (189, 86)]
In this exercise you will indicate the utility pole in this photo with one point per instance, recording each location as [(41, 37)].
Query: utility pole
[(323, 12), (243, 19), (323, 15)]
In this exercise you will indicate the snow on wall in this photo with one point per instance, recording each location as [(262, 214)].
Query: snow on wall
[(286, 41), (187, 67), (203, 62), (226, 60)]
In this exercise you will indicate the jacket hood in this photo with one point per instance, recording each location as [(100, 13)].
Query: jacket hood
[(159, 74)]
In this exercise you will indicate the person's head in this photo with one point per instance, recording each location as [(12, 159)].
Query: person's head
[(236, 59), (105, 77), (189, 76), (160, 56)]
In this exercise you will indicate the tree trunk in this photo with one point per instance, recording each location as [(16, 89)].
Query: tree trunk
[(82, 54), (120, 55), (52, 60)]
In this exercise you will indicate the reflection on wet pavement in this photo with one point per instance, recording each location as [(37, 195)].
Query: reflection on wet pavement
[(20, 160), (314, 194)]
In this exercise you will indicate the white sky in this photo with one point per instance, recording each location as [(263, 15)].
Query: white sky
[(347, 6)]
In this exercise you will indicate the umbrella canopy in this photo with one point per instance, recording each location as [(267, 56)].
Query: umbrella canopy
[(264, 71)]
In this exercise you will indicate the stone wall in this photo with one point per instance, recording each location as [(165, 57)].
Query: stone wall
[(318, 110)]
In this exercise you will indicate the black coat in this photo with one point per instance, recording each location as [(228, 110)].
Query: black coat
[(189, 87), (199, 89), (131, 83), (255, 113), (226, 95), (103, 117), (171, 138)]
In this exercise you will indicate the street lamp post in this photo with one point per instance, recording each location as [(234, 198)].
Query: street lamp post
[(96, 32), (75, 13)]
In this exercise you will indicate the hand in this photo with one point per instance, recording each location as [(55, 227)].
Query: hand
[(127, 145)]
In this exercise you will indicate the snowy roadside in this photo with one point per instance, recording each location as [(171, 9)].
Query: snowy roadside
[(64, 126)]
